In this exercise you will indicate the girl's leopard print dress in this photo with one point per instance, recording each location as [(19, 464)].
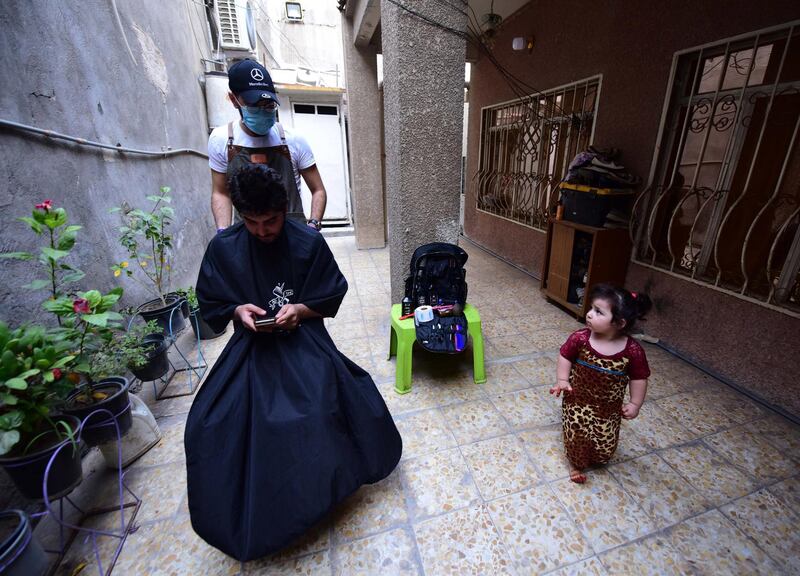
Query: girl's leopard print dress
[(591, 413)]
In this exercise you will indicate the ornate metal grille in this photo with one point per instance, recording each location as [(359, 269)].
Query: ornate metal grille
[(526, 147), (723, 202)]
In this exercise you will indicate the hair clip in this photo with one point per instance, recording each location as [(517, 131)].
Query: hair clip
[(634, 295)]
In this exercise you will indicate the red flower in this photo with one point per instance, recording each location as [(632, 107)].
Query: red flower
[(81, 306), (57, 373), (46, 205)]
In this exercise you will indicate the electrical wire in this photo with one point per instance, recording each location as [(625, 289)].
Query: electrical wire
[(93, 144), (515, 84)]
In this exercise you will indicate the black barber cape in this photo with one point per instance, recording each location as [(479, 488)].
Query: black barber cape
[(285, 426)]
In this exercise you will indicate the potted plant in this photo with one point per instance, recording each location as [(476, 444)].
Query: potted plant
[(86, 322), (145, 236), (201, 329), (34, 363)]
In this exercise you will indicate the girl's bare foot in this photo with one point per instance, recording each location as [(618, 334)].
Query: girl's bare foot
[(577, 476)]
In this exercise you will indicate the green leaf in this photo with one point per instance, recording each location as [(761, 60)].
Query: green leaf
[(11, 420), (93, 296), (16, 384), (28, 373), (73, 276), (17, 255), (37, 285), (56, 218), (96, 319), (52, 253), (8, 440), (48, 377), (67, 239), (35, 226), (58, 306), (8, 399), (114, 315), (63, 362)]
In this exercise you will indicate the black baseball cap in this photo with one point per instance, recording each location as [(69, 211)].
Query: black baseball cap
[(251, 81)]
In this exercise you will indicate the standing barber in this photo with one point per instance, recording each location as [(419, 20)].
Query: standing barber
[(258, 139)]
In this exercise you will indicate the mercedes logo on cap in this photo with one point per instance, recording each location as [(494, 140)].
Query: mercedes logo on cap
[(256, 74)]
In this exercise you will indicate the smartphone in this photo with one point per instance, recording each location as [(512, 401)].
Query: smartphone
[(262, 323)]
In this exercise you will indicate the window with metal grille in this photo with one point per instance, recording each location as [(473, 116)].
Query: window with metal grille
[(526, 148), (723, 202)]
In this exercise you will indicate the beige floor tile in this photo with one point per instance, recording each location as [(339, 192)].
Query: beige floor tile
[(356, 349), (527, 323), (316, 564), (505, 346), (172, 406), (502, 378), (342, 331), (659, 490), (373, 508), (603, 510), (771, 524), (172, 547), (472, 421), (462, 543), (529, 408), (388, 554), (652, 556), (590, 567), (700, 418), (419, 398), (459, 387), (779, 432), (546, 449), (753, 454), (170, 447), (630, 445), (379, 368), (537, 531), (548, 339), (736, 406), (661, 386), (161, 489), (438, 483), (499, 466), (713, 545), (657, 428), (539, 371), (711, 475), (424, 432), (495, 327), (788, 492)]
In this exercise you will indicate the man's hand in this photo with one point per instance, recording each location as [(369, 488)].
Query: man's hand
[(288, 317), (246, 314), (630, 411), (561, 386)]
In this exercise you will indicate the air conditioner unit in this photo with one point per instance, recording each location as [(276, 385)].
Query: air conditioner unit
[(237, 25)]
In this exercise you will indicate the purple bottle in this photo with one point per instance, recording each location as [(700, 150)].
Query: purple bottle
[(459, 338)]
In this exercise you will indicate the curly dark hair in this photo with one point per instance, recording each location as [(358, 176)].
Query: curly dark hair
[(257, 189), (625, 305)]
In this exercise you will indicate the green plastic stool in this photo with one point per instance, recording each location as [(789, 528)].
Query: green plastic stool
[(403, 334)]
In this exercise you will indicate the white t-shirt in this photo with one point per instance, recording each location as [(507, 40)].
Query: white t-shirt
[(300, 151)]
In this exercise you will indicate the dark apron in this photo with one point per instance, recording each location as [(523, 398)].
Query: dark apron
[(276, 157)]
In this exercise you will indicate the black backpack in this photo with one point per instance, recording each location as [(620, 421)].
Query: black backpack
[(438, 279), (437, 275)]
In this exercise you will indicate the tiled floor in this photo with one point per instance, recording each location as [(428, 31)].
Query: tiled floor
[(704, 481)]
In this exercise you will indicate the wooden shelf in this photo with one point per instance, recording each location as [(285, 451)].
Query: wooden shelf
[(575, 251)]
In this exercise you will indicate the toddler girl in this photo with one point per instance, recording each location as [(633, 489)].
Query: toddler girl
[(595, 366)]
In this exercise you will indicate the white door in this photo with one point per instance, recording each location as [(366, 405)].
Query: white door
[(319, 125)]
